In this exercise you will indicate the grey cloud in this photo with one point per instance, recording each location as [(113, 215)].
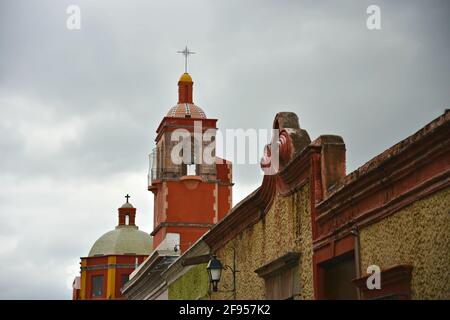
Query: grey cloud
[(79, 108)]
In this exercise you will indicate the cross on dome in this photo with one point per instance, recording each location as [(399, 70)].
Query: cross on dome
[(186, 53)]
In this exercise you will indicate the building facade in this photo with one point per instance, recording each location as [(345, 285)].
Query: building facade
[(112, 258), (312, 232), (192, 190), (193, 194)]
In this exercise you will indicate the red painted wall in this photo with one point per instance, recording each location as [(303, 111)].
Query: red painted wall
[(190, 202), (190, 205), (102, 262)]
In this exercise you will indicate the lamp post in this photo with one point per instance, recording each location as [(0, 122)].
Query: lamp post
[(215, 268)]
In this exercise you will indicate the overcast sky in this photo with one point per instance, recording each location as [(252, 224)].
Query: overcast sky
[(79, 109)]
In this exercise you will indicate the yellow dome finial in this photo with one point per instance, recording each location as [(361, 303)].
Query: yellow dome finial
[(185, 77)]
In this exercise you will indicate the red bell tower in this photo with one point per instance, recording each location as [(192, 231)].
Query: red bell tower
[(191, 196)]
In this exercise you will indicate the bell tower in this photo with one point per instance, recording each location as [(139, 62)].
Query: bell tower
[(192, 187)]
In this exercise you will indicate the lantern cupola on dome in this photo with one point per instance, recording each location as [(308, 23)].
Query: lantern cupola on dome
[(126, 238), (185, 108)]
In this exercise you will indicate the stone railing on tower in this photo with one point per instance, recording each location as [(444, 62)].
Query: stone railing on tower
[(152, 169), (158, 172)]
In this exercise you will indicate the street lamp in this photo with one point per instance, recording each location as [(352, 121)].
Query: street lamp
[(215, 268), (214, 271)]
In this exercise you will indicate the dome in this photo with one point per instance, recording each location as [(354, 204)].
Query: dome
[(127, 205), (185, 77), (186, 110), (124, 239)]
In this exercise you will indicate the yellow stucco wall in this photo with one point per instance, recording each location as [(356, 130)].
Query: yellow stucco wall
[(83, 281), (418, 235), (285, 228), (111, 284)]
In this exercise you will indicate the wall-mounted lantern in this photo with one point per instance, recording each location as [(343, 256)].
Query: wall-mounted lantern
[(215, 268), (214, 271)]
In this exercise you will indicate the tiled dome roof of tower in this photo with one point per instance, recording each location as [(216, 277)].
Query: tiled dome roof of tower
[(186, 110), (122, 240)]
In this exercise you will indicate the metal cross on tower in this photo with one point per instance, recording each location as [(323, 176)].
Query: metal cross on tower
[(128, 197), (186, 53)]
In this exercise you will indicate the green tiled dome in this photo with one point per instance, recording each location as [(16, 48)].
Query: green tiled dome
[(124, 239)]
